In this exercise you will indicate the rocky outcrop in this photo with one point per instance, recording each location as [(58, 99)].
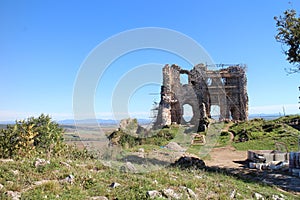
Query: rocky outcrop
[(187, 162)]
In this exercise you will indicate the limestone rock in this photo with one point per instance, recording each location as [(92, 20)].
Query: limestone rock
[(69, 179), (258, 196), (129, 126), (128, 167), (14, 195), (170, 193), (232, 194), (175, 147), (278, 197), (190, 192), (152, 194), (41, 162), (15, 172), (6, 160), (65, 164), (99, 198), (114, 185)]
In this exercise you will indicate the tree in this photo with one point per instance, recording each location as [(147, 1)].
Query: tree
[(288, 27)]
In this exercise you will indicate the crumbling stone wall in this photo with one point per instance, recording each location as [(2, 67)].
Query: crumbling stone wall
[(226, 88)]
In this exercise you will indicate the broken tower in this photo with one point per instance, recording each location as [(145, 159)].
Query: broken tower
[(225, 88)]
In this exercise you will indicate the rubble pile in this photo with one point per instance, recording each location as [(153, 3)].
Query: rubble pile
[(187, 162), (294, 163), (273, 165)]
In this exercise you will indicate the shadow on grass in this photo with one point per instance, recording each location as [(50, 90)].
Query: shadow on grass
[(278, 178), (139, 160)]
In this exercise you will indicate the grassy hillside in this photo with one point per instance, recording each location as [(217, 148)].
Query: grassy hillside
[(92, 179), (260, 134), (77, 174)]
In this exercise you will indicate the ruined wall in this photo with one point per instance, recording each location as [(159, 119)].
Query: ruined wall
[(226, 88)]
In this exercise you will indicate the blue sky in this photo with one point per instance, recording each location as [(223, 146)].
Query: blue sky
[(44, 43)]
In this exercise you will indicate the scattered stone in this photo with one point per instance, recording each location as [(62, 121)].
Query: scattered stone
[(99, 198), (190, 192), (1, 186), (6, 160), (189, 162), (198, 177), (65, 164), (258, 196), (131, 167), (15, 172), (43, 182), (175, 147), (155, 182), (128, 167), (278, 165), (81, 165), (170, 193), (114, 185), (41, 162), (152, 194), (261, 166), (232, 194), (278, 197), (141, 153), (69, 179), (14, 195), (9, 182)]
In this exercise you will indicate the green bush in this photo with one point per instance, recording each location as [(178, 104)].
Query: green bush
[(30, 136), (159, 138)]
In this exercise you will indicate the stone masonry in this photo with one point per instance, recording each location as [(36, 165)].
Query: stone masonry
[(225, 87)]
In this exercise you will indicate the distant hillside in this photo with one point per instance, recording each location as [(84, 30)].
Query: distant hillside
[(100, 121), (88, 121)]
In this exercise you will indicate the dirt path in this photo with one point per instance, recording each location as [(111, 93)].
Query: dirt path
[(231, 161), (226, 157)]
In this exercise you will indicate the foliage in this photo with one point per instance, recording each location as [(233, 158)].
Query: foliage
[(260, 134), (30, 136), (160, 137), (288, 27), (74, 153), (224, 139)]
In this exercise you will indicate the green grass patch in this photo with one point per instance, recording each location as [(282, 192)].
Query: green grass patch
[(93, 179), (260, 134)]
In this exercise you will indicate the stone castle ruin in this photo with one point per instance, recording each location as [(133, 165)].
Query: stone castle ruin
[(225, 88)]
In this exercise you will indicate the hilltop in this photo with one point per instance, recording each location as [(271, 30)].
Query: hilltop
[(80, 174)]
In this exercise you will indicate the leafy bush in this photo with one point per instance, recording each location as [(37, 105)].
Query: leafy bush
[(30, 136), (73, 152), (157, 138)]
